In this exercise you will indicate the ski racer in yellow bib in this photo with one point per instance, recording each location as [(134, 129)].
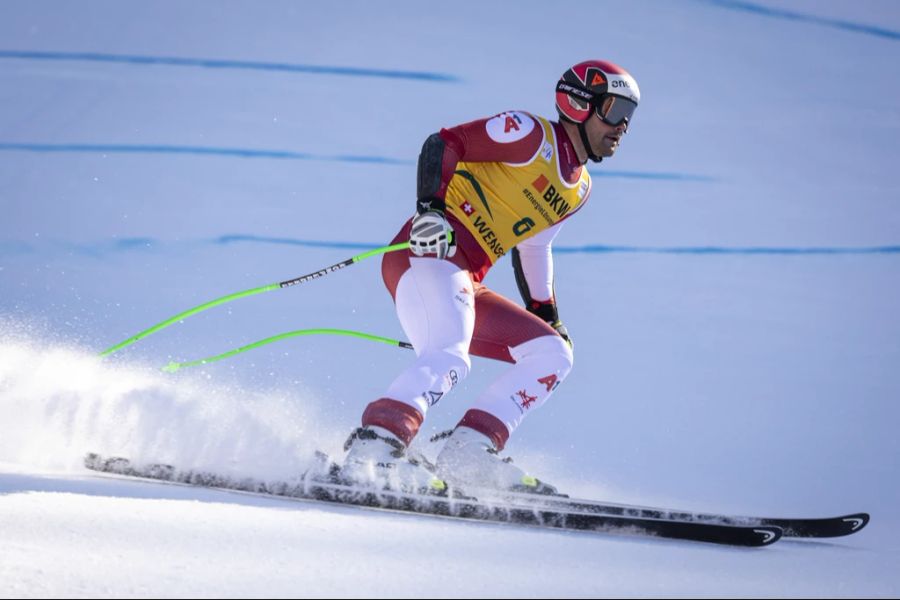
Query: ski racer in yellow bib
[(493, 186)]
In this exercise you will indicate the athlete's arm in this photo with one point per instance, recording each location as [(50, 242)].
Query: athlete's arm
[(512, 137), (532, 261)]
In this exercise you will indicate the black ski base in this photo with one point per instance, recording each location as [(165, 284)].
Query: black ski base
[(448, 503)]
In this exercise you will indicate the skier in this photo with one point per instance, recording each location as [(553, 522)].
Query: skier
[(485, 188)]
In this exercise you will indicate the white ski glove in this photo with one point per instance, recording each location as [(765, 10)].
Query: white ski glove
[(432, 234)]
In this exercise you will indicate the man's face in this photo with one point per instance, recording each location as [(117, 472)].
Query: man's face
[(604, 138)]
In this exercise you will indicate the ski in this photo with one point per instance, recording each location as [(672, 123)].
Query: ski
[(450, 504), (792, 527)]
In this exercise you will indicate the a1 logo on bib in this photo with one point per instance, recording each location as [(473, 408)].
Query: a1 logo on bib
[(509, 127)]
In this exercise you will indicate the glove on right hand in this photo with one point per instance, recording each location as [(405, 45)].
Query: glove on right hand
[(432, 234)]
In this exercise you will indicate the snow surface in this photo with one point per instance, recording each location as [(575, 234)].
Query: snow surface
[(732, 288)]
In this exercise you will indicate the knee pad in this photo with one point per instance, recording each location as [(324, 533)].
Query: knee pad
[(550, 350)]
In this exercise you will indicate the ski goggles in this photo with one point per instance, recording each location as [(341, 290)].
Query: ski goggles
[(614, 110)]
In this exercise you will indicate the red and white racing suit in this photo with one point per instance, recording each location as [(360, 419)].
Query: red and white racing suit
[(504, 182)]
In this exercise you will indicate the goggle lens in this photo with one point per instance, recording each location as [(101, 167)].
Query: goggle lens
[(615, 110)]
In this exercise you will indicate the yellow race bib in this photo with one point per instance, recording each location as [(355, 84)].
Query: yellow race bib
[(502, 204)]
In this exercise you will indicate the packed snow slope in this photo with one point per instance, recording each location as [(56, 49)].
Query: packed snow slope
[(732, 289)]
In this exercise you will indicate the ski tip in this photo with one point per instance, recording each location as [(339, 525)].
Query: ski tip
[(828, 527), (767, 535), (855, 522)]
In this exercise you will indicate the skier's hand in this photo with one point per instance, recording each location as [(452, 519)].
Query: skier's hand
[(563, 333), (547, 311), (432, 234)]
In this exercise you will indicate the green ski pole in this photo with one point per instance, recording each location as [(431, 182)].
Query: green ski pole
[(175, 366), (266, 288)]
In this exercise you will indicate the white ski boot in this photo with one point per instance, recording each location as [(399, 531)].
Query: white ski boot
[(376, 458), (470, 461)]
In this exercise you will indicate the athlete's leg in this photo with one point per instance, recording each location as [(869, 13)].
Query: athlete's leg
[(436, 306), (542, 359), (506, 331)]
